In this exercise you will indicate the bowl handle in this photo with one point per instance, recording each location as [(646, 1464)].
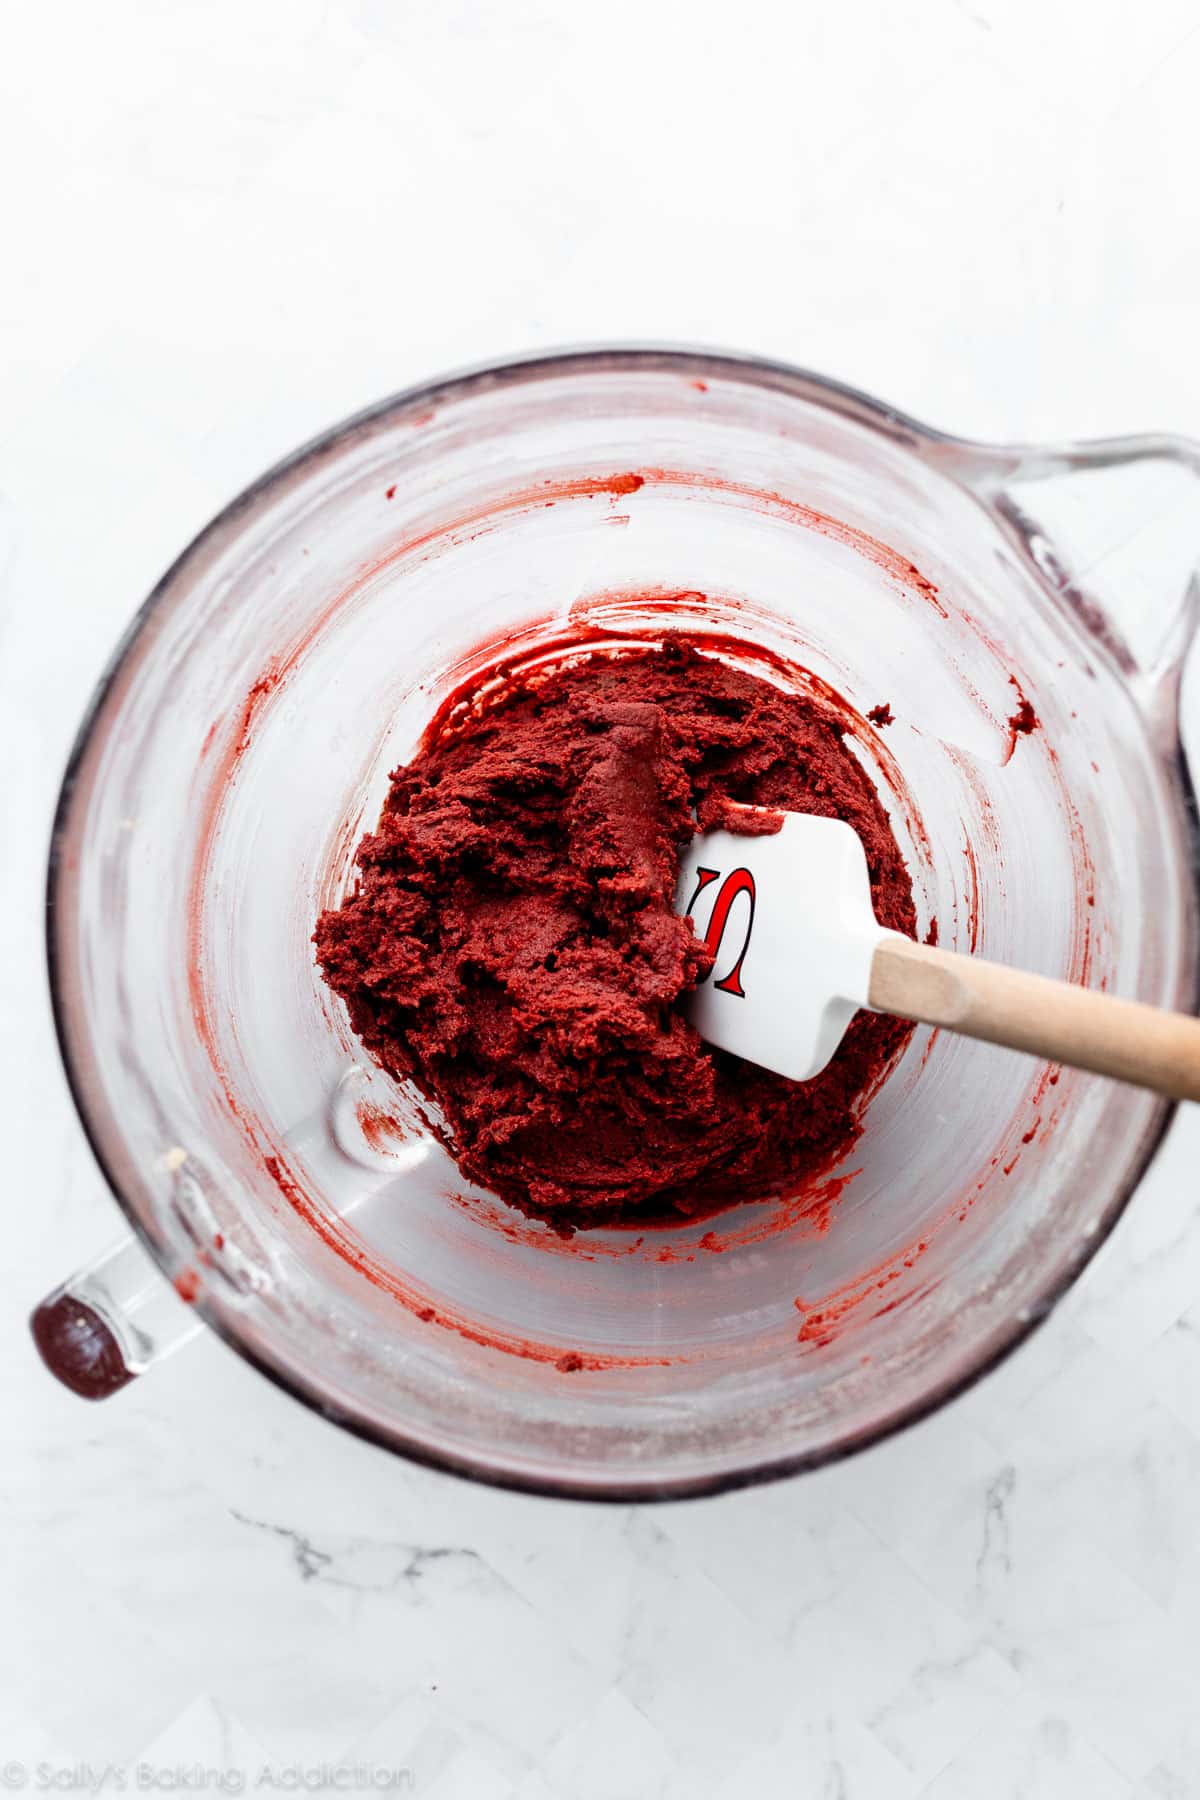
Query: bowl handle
[(1112, 527), (111, 1321)]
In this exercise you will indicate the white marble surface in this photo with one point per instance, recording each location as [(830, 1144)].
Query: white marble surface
[(227, 224)]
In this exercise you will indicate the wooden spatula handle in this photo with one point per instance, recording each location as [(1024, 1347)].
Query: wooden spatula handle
[(1052, 1019)]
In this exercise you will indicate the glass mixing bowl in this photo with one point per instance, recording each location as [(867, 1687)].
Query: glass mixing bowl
[(240, 743)]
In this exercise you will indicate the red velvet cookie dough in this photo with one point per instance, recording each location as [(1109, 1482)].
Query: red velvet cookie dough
[(512, 944)]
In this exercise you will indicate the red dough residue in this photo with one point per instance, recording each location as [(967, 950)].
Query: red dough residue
[(1021, 722)]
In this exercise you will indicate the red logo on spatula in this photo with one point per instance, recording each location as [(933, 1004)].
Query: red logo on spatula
[(741, 881)]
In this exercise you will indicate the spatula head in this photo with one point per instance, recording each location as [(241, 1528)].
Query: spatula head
[(789, 920)]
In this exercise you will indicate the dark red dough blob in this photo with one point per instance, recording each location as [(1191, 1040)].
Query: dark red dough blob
[(513, 947), (1021, 722)]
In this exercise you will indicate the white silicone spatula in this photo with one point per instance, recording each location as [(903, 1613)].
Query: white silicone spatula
[(798, 952)]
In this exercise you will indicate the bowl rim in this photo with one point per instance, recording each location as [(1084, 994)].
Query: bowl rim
[(693, 362)]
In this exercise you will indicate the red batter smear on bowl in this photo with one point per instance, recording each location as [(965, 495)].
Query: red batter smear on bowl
[(512, 944), (1022, 721)]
